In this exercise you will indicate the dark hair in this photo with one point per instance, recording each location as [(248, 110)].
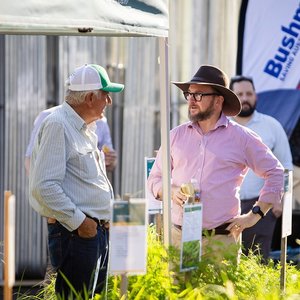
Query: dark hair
[(240, 78)]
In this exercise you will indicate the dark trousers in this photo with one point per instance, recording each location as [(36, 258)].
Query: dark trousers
[(259, 237), (76, 258)]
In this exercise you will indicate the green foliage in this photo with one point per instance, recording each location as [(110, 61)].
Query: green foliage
[(210, 281)]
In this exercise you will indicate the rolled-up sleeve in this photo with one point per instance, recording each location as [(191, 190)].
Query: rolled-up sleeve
[(263, 162)]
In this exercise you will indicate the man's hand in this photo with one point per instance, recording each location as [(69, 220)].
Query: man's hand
[(241, 222), (110, 160), (277, 209), (177, 196), (88, 228)]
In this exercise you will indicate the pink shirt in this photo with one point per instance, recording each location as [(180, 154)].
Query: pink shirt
[(219, 161)]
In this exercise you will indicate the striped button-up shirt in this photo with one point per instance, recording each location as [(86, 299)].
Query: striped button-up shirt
[(67, 174), (219, 160)]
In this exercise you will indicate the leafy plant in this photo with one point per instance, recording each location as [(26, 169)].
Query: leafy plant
[(250, 279)]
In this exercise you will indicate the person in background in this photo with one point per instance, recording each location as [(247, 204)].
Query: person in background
[(218, 153), (68, 183), (273, 135), (295, 149), (102, 131)]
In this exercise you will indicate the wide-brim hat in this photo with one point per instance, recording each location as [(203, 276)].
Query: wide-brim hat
[(216, 78)]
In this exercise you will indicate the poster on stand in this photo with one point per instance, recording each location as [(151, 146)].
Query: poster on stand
[(128, 237), (190, 252), (154, 206), (287, 203)]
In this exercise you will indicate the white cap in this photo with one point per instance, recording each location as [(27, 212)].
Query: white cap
[(91, 77)]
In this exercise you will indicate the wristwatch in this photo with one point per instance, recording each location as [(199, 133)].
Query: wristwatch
[(256, 210)]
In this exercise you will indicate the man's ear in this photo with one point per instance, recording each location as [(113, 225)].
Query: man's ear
[(89, 98), (220, 99)]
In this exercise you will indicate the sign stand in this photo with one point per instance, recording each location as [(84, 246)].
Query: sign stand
[(9, 244), (124, 278), (283, 264), (286, 228)]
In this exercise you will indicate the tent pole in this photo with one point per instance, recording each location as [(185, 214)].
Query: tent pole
[(165, 138)]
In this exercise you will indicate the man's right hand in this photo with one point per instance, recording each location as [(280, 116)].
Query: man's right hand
[(88, 228), (177, 196)]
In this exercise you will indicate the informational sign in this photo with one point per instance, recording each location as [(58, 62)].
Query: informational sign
[(128, 237), (190, 252), (286, 228), (154, 206)]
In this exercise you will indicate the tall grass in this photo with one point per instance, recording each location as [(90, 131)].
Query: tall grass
[(225, 280)]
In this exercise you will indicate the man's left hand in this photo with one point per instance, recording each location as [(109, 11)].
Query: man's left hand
[(277, 209), (241, 222), (88, 228)]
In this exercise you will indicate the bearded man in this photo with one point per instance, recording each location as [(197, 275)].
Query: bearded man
[(217, 152), (259, 237)]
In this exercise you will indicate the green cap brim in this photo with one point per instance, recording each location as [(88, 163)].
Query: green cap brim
[(113, 87)]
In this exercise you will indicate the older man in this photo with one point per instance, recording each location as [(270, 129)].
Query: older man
[(217, 152), (102, 131), (68, 182)]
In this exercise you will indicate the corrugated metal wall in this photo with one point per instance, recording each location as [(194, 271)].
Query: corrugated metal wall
[(141, 101), (2, 144), (25, 94)]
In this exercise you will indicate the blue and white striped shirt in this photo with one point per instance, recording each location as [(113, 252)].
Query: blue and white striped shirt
[(67, 173)]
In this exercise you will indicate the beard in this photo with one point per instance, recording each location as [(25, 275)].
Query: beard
[(247, 111), (202, 115)]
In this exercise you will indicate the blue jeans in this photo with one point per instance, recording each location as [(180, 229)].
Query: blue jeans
[(76, 259)]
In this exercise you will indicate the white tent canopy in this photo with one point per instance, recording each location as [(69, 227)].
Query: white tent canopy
[(95, 17)]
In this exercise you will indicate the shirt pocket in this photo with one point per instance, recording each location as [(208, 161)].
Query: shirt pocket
[(89, 166)]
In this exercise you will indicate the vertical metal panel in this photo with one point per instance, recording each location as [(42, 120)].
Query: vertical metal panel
[(25, 96), (2, 145), (141, 101)]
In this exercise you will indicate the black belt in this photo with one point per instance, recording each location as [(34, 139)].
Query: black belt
[(218, 230)]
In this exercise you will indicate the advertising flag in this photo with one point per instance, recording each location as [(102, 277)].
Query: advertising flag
[(269, 52)]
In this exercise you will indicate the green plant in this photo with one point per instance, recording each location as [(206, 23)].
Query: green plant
[(250, 279)]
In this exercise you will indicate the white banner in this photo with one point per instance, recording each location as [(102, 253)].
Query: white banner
[(271, 50)]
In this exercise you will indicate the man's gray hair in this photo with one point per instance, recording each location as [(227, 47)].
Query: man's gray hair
[(75, 97)]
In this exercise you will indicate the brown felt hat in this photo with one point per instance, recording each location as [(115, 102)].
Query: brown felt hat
[(216, 78)]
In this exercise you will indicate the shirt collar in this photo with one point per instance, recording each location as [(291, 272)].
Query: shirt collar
[(73, 117)]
